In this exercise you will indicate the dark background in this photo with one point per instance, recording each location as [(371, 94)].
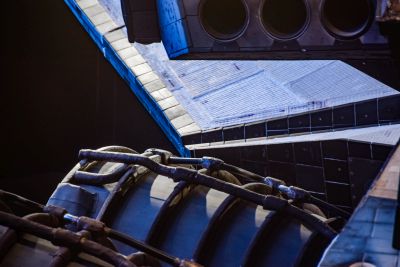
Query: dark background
[(58, 95)]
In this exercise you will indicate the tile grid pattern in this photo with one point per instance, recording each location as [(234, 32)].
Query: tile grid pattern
[(381, 111), (339, 171), (370, 235), (367, 237)]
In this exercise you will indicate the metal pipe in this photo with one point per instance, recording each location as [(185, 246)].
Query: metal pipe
[(185, 161), (124, 183), (89, 178), (101, 216), (279, 185), (143, 247), (181, 174), (325, 205), (84, 177), (88, 223), (62, 237)]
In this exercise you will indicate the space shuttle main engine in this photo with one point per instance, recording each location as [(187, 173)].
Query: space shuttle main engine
[(268, 29), (153, 205), (285, 20)]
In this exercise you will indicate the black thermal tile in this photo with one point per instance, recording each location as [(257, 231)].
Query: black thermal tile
[(381, 152), (310, 178), (359, 150), (367, 113), (339, 194), (234, 133), (335, 149), (389, 109), (308, 153), (280, 152), (344, 116), (336, 171), (211, 136), (321, 120), (255, 130), (192, 139), (361, 174), (277, 127), (254, 153), (300, 121)]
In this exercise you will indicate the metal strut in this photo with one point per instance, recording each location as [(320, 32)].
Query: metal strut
[(64, 237), (292, 192), (93, 225), (82, 223), (268, 202)]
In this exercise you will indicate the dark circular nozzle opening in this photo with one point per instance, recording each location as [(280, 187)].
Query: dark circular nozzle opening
[(224, 20), (346, 19), (285, 19)]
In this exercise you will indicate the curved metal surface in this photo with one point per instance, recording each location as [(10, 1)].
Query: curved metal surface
[(206, 215), (224, 20), (347, 20), (190, 217), (285, 19)]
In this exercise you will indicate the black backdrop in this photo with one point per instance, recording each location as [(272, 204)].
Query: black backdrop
[(58, 95)]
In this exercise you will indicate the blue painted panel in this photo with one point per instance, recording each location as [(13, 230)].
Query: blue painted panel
[(146, 100), (169, 11), (138, 89), (179, 53), (174, 38), (173, 27)]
